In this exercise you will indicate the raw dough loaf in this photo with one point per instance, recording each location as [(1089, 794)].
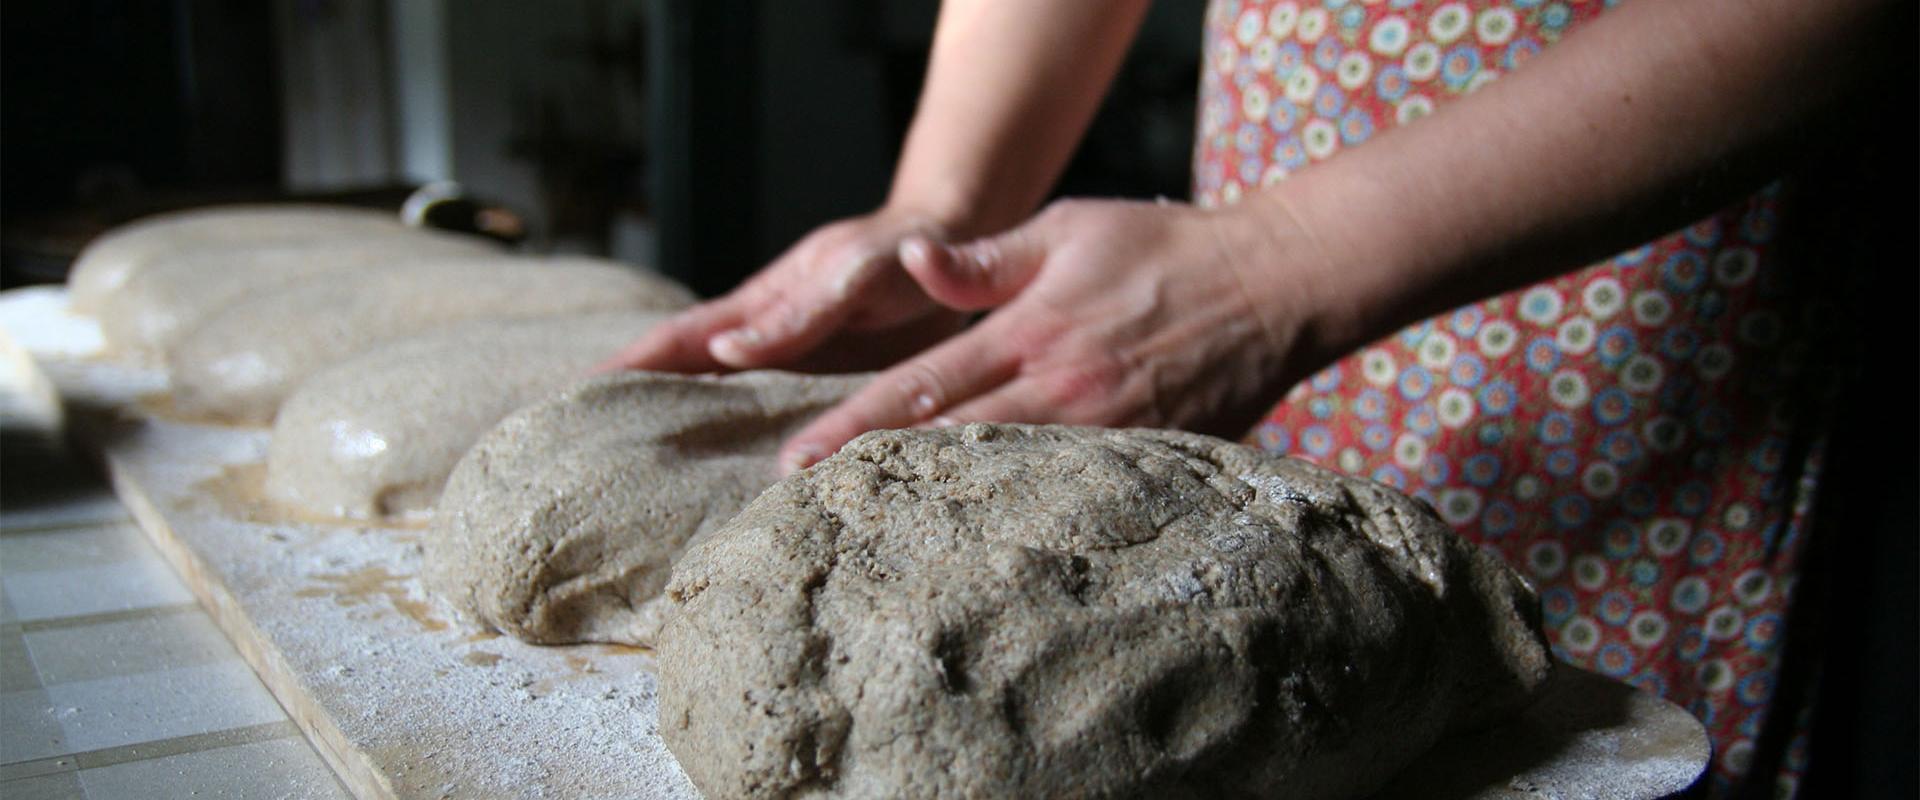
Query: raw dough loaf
[(1018, 611), (176, 291), (561, 524), (376, 435), (239, 364), (110, 260)]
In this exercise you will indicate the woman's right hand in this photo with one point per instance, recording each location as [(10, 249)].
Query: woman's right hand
[(836, 301)]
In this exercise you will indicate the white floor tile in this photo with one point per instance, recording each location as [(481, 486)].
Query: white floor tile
[(97, 506), (281, 768), (69, 548), (28, 727), (161, 705), (58, 786), (145, 583), (90, 652)]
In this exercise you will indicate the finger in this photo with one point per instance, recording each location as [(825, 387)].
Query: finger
[(910, 393), (1019, 400), (679, 344), (977, 275), (783, 324)]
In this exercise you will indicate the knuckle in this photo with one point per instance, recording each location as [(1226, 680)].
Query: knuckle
[(1032, 339), (1070, 211), (1064, 208), (921, 389), (1085, 383)]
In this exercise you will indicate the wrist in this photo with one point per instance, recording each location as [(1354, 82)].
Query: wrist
[(1298, 289), (961, 204), (1356, 272)]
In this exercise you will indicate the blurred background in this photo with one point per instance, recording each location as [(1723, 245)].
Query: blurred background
[(699, 136)]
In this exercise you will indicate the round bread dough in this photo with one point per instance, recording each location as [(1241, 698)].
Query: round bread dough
[(238, 365), (176, 291), (1021, 611), (560, 525), (110, 260), (377, 434)]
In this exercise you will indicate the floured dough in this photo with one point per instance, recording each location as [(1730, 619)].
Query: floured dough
[(239, 364), (1018, 611), (376, 435), (110, 260), (175, 291), (561, 523)]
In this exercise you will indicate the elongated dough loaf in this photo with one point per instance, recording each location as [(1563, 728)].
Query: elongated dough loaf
[(240, 364), (177, 290), (377, 434), (561, 523), (113, 258), (1022, 611)]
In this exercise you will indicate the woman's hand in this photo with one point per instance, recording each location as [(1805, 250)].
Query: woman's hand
[(836, 301), (1109, 313)]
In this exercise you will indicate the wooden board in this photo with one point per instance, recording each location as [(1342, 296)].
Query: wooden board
[(404, 701), (400, 699)]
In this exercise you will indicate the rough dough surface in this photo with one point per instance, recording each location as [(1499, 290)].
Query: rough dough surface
[(241, 363), (173, 292), (109, 261), (561, 524), (1017, 611), (377, 434)]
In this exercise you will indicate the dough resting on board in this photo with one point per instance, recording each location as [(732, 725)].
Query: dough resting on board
[(110, 260), (241, 363), (377, 434), (561, 523), (1018, 611), (175, 291)]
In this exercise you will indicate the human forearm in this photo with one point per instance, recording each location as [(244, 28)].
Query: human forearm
[(1645, 119), (1011, 87)]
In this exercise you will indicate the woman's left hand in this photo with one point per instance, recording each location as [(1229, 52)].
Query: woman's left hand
[(1106, 313)]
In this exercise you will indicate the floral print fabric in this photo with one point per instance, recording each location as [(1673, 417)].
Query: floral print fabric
[(1636, 436)]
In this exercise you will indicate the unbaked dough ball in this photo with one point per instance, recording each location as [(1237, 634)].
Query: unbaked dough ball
[(377, 434), (178, 290), (1017, 611), (561, 523), (241, 363), (110, 260)]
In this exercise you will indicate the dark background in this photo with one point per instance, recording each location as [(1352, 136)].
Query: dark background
[(749, 122)]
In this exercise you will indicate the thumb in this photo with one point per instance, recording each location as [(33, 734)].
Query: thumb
[(980, 274)]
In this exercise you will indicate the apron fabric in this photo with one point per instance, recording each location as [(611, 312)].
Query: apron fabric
[(1638, 437)]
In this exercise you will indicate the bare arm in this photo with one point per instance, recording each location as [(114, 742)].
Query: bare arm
[(1133, 314), (1011, 87), (1642, 121)]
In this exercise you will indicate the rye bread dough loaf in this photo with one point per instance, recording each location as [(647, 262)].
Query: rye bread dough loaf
[(377, 434), (561, 524), (110, 260), (1019, 611), (176, 291), (241, 363)]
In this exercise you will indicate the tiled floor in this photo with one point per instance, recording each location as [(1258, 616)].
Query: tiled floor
[(113, 683)]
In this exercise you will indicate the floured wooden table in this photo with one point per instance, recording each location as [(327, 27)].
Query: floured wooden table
[(398, 700), (403, 701)]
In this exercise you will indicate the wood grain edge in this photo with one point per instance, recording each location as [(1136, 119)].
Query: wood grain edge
[(355, 768)]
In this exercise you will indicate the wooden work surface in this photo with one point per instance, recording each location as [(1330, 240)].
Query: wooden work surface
[(400, 700), (404, 701)]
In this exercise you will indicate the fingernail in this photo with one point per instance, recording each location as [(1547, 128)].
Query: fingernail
[(923, 405), (800, 458), (731, 347), (942, 421), (915, 248)]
